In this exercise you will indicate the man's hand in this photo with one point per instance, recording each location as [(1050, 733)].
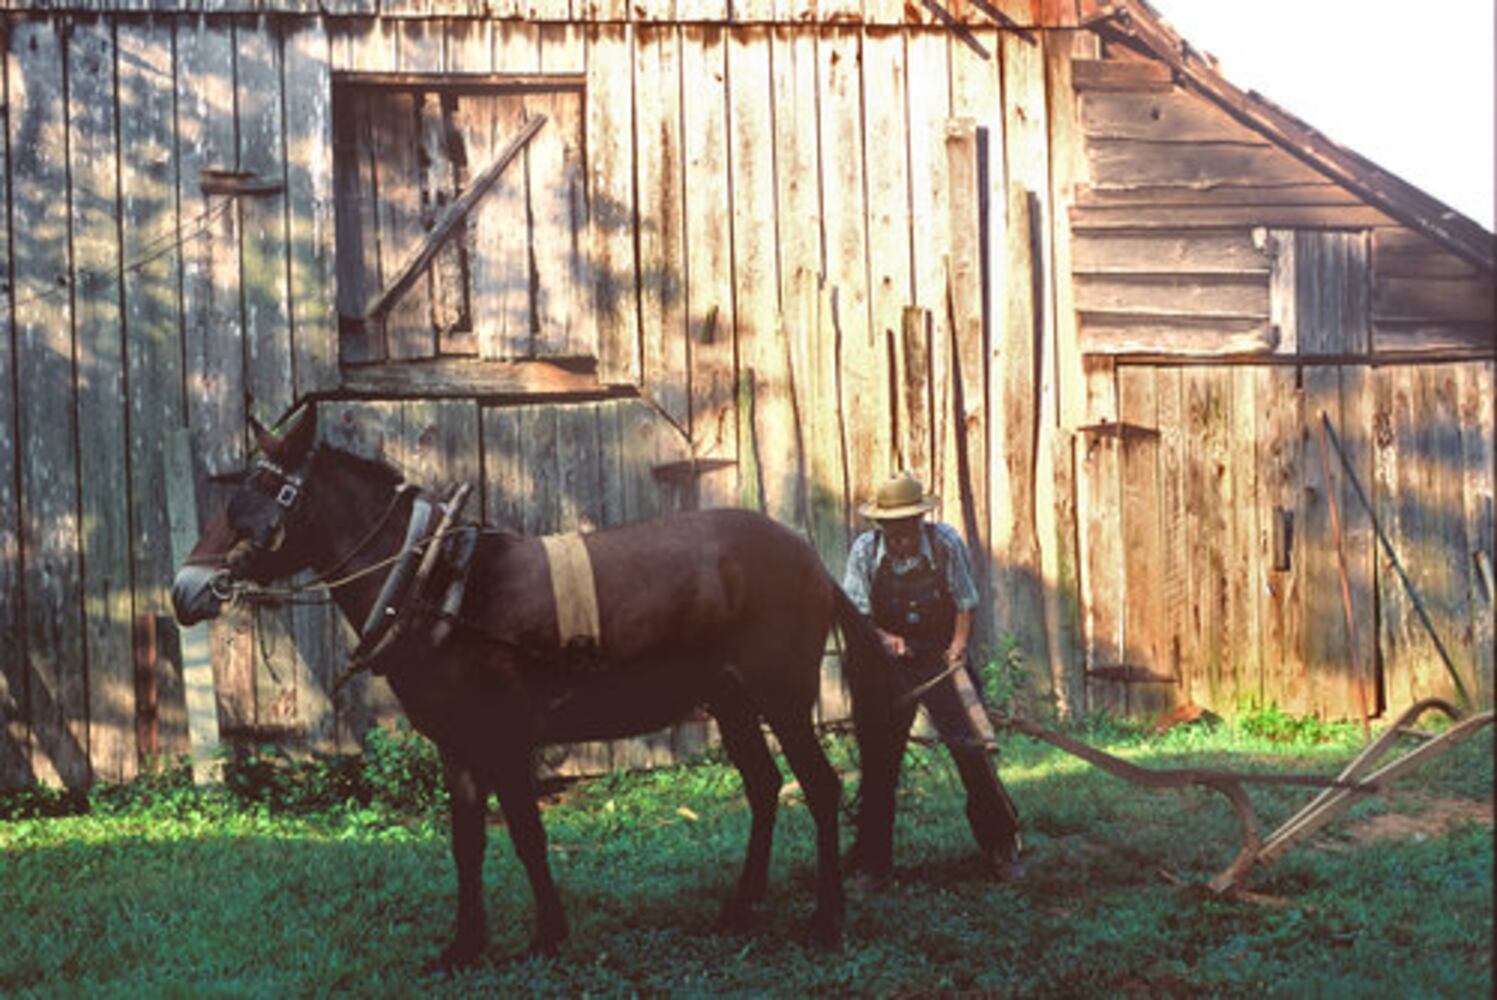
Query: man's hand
[(955, 655), (893, 645)]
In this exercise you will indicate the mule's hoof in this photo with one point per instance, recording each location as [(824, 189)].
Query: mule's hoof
[(736, 917), (456, 957), (825, 935)]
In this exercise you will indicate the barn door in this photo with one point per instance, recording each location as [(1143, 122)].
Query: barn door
[(1229, 589)]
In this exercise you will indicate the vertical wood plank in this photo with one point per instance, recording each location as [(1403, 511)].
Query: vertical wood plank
[(314, 325), (1478, 460), (709, 260), (1101, 537), (15, 713), (45, 349), (442, 174), (1175, 566), (309, 199), (538, 432), (1359, 543), (1245, 567), (559, 204), (504, 491), (267, 328), (1280, 462), (861, 364), (611, 213), (215, 352), (798, 222), (369, 46), (1442, 556), (915, 392), (1401, 641), (890, 284), (210, 280), (357, 229), (1019, 295), (929, 101), (1207, 402), (103, 468), (768, 434), (1324, 649), (397, 172), (969, 212), (501, 265), (662, 253), (1056, 494), (1145, 633)]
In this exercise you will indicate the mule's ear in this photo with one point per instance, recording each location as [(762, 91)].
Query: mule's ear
[(291, 437), (267, 442), (298, 432)]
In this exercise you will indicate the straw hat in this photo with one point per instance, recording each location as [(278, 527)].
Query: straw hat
[(898, 497)]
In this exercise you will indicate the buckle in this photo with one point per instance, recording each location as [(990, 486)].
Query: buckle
[(288, 495)]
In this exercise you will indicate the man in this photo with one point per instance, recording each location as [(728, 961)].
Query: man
[(913, 578)]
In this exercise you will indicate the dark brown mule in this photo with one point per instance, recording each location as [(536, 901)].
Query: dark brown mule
[(724, 609)]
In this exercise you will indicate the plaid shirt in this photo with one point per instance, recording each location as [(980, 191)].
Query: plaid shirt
[(868, 551)]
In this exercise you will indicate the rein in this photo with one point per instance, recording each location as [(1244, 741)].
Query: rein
[(325, 579)]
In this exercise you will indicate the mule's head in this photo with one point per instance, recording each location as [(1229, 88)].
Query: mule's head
[(258, 533)]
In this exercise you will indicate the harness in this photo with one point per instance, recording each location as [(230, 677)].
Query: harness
[(916, 605), (424, 589)]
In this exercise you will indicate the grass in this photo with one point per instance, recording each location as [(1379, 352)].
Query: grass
[(274, 885)]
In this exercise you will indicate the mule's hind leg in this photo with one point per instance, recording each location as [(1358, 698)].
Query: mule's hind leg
[(823, 791), (744, 742), (515, 785)]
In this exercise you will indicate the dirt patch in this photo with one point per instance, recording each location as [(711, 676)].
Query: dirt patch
[(1434, 818)]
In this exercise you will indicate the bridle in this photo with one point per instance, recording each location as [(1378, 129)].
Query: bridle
[(288, 492)]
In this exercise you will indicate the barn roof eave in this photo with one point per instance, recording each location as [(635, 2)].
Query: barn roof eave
[(1135, 23)]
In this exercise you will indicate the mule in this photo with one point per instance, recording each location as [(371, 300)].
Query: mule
[(722, 609)]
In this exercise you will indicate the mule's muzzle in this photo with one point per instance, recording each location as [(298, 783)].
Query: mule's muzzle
[(199, 593)]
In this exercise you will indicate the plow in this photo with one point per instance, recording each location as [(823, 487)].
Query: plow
[(1396, 753)]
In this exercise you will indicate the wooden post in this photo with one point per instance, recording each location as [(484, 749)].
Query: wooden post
[(197, 660)]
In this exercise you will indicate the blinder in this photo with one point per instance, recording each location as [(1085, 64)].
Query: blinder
[(260, 510)]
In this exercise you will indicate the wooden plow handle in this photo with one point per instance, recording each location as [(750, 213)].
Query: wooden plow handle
[(1337, 794)]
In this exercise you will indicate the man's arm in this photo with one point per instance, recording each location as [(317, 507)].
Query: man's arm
[(956, 652)]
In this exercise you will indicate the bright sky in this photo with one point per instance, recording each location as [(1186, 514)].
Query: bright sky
[(1407, 85)]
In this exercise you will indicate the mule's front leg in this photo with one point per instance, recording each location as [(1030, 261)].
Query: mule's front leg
[(469, 836), (515, 786)]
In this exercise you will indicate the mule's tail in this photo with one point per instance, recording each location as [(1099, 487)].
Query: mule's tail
[(873, 678)]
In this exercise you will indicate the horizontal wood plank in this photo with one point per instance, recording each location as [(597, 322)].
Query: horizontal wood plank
[(1121, 75), (1208, 294), (456, 376), (1195, 165), (1454, 300), (1404, 253), (1207, 216), (1237, 251), (1185, 336), (1175, 116)]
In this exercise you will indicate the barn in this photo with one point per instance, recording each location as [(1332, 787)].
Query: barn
[(1210, 396)]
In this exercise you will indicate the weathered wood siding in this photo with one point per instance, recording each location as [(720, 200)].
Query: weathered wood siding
[(758, 255), (1229, 297)]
